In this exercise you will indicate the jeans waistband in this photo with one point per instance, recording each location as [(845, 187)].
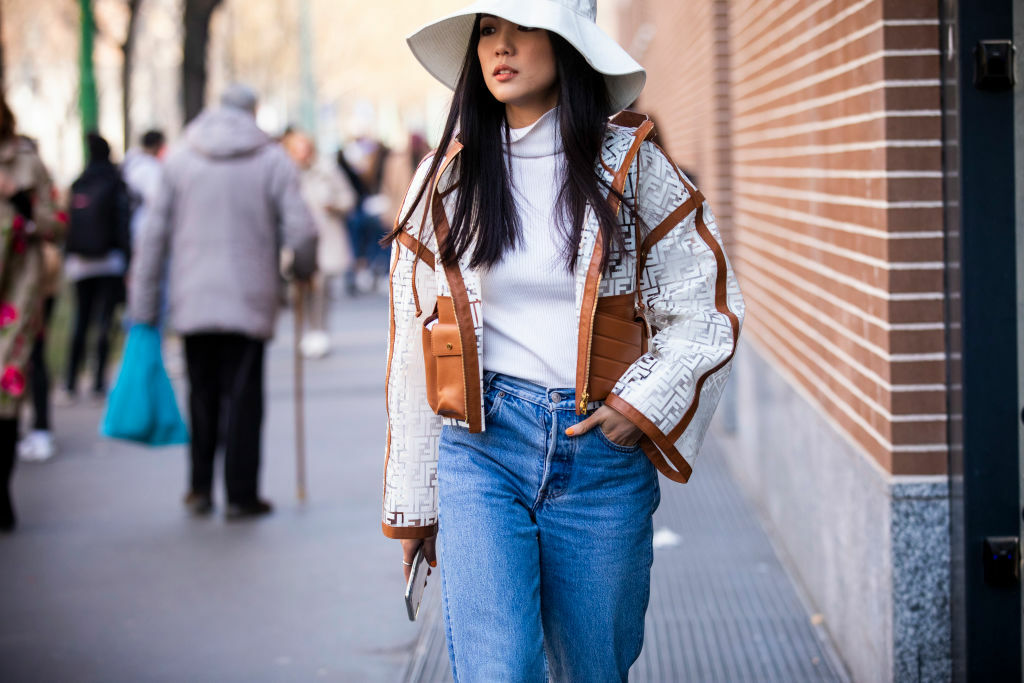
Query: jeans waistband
[(535, 393)]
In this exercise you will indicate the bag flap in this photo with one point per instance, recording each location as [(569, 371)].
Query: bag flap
[(445, 340)]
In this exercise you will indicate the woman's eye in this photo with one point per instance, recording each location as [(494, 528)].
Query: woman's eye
[(486, 30), (526, 29)]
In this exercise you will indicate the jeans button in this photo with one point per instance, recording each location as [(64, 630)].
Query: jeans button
[(556, 397)]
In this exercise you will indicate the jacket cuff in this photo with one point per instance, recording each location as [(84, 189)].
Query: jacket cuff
[(660, 450), (408, 532)]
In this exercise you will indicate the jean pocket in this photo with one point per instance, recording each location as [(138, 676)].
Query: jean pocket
[(492, 402), (611, 444)]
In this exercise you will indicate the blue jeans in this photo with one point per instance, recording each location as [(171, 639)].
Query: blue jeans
[(545, 542)]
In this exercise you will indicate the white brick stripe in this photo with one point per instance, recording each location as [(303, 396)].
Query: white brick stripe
[(755, 206)]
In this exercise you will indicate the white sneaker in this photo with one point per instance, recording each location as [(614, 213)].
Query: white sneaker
[(315, 344), (37, 446)]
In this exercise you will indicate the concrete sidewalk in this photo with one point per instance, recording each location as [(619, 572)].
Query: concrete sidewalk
[(723, 608), (107, 579)]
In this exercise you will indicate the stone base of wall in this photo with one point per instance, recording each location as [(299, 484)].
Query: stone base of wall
[(870, 550)]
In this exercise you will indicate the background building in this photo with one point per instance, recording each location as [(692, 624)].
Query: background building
[(814, 128), (864, 177)]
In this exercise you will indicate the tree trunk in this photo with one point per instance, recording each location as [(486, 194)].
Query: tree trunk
[(127, 64), (88, 101), (197, 38)]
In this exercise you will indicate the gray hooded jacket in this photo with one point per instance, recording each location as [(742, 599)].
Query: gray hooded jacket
[(229, 200)]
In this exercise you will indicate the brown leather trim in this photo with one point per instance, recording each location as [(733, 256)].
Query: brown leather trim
[(673, 219), (387, 373), (408, 532), (453, 151), (629, 119), (464, 318), (663, 447), (722, 305), (417, 247), (588, 307), (619, 180), (664, 228)]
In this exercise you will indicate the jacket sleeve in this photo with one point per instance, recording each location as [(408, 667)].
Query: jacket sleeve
[(297, 230), (693, 301), (410, 464), (151, 253)]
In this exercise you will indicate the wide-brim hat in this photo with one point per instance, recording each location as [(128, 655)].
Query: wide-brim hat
[(440, 46)]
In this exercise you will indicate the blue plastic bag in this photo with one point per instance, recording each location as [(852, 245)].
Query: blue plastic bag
[(141, 406)]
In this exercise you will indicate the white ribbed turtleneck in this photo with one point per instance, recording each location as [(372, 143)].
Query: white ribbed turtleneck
[(529, 297)]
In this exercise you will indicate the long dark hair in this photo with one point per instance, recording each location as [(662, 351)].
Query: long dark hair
[(485, 217)]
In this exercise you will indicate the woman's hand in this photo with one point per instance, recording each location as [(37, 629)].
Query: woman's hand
[(614, 424), (409, 548)]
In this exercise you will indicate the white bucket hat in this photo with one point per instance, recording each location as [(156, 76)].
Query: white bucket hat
[(441, 45)]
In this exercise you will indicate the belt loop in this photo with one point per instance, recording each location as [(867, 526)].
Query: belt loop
[(488, 378)]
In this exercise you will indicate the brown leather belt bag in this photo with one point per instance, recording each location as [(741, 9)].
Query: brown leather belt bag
[(442, 355), (619, 338)]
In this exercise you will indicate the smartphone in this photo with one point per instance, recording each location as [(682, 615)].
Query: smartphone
[(417, 582)]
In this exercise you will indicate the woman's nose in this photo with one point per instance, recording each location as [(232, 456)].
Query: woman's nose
[(505, 44)]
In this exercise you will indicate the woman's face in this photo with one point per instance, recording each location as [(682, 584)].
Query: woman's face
[(519, 68)]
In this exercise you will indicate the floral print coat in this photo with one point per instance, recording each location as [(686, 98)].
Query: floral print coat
[(21, 266)]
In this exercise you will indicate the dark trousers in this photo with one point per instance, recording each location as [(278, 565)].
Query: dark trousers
[(8, 442), (40, 374), (225, 374), (96, 297)]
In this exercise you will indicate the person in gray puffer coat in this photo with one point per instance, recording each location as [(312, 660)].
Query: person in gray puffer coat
[(228, 202)]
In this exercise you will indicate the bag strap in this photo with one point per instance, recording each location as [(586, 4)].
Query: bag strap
[(644, 130), (453, 148)]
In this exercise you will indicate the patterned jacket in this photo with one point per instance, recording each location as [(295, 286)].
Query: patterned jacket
[(21, 266), (690, 295)]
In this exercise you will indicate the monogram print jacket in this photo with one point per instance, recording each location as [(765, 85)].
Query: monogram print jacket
[(689, 297)]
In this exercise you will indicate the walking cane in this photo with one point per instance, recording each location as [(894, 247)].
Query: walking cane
[(300, 413)]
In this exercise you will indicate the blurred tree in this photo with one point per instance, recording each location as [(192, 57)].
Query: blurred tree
[(88, 101), (197, 38), (128, 50)]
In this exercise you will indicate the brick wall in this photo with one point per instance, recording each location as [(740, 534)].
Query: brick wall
[(814, 129)]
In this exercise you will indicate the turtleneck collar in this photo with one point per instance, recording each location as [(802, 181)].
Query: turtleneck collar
[(542, 138)]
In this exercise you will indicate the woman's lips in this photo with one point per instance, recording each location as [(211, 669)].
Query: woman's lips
[(504, 73)]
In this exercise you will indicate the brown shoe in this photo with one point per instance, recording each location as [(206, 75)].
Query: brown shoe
[(198, 504), (257, 508)]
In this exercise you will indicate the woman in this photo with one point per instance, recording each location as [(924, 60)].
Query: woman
[(27, 217), (329, 197), (515, 250)]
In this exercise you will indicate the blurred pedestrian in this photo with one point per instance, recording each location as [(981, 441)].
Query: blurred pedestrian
[(39, 444), (141, 171), (330, 198), (363, 162), (97, 252), (229, 199), (28, 217), (519, 316)]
